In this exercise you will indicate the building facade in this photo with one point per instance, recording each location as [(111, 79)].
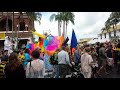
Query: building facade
[(111, 34), (17, 26)]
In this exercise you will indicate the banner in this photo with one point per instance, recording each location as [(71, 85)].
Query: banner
[(73, 40), (2, 35), (37, 34)]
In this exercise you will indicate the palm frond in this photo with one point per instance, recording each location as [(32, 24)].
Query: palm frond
[(52, 17), (34, 16)]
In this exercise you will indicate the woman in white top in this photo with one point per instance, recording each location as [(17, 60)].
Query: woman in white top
[(86, 63), (35, 68)]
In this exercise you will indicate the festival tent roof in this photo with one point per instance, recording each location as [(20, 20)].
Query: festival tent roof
[(93, 41), (103, 40)]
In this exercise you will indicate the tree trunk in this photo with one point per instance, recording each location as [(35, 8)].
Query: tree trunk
[(12, 26), (7, 25), (58, 28), (18, 30), (64, 29)]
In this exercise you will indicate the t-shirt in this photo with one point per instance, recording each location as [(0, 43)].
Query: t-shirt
[(102, 54), (36, 69), (27, 57), (86, 60)]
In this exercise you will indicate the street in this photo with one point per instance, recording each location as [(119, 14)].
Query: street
[(112, 74)]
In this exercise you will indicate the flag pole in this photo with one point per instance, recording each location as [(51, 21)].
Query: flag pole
[(7, 25)]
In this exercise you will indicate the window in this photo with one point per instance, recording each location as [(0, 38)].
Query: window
[(26, 27), (101, 36), (3, 24), (114, 33), (105, 35), (109, 34), (22, 26)]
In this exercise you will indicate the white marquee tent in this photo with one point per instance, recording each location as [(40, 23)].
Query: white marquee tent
[(93, 41)]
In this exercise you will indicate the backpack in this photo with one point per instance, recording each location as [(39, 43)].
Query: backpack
[(30, 74)]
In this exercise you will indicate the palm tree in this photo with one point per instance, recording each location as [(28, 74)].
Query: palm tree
[(69, 16), (63, 20), (115, 18), (58, 18), (34, 16), (66, 17)]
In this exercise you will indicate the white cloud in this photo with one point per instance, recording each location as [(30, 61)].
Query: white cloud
[(87, 24)]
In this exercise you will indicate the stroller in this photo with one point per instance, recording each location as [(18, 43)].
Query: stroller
[(75, 71)]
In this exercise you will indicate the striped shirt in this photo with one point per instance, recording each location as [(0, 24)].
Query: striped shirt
[(2, 67)]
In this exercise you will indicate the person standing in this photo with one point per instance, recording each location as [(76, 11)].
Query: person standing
[(77, 56), (14, 69), (94, 56), (110, 62), (118, 57), (97, 48), (63, 62), (2, 68), (5, 55), (86, 64), (35, 68), (8, 45), (54, 62), (21, 56), (27, 57), (102, 59)]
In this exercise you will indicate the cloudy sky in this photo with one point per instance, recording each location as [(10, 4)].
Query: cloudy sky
[(87, 24)]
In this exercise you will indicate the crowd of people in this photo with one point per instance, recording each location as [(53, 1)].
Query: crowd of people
[(92, 59)]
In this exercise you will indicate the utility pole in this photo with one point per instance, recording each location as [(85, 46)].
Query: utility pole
[(18, 29), (7, 25), (12, 25)]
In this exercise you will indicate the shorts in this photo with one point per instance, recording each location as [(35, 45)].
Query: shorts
[(104, 62)]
